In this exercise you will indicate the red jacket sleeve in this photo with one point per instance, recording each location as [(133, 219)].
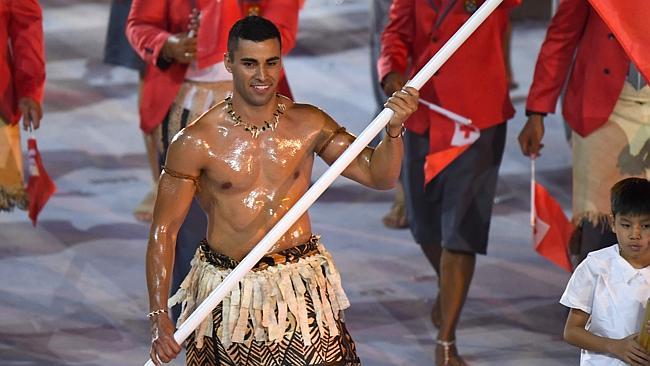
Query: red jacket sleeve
[(26, 33), (284, 14), (397, 39), (146, 28), (556, 55)]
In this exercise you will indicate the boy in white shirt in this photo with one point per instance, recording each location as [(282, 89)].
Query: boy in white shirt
[(608, 291)]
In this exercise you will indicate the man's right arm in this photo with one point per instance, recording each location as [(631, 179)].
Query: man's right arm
[(26, 33), (176, 190), (396, 43), (552, 69), (146, 30)]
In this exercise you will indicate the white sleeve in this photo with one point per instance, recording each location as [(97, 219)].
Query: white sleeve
[(579, 293)]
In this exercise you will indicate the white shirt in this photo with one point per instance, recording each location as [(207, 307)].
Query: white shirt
[(614, 293), (209, 74)]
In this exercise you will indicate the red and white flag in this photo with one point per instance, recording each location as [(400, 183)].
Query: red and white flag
[(447, 141), (551, 228), (40, 186), (628, 20)]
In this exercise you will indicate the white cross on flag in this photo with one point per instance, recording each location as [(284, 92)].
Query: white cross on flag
[(448, 139), (464, 134)]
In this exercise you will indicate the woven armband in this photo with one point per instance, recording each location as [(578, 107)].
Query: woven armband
[(178, 175), (338, 131)]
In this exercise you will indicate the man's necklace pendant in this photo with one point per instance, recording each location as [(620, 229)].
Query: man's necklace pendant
[(254, 129)]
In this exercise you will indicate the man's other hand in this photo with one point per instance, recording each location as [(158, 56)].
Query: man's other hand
[(31, 112), (530, 137), (392, 82), (163, 345), (180, 48)]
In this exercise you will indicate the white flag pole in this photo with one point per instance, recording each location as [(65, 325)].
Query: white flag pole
[(301, 206), (447, 113), (532, 191)]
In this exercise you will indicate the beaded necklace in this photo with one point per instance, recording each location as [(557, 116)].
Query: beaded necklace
[(254, 129)]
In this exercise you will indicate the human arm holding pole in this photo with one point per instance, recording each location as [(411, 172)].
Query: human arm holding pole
[(301, 206), (376, 168)]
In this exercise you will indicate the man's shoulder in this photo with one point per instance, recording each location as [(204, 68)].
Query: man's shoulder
[(301, 108), (206, 124), (200, 133), (306, 114)]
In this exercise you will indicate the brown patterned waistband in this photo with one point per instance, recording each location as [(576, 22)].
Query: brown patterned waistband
[(291, 255)]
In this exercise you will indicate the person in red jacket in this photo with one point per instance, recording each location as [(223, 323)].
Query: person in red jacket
[(183, 45), (607, 106), (22, 80), (450, 216)]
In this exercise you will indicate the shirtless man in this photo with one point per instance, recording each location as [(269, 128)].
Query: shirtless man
[(248, 160)]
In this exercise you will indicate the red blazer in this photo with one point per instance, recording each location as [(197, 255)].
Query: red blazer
[(22, 66), (150, 23), (472, 83), (596, 77)]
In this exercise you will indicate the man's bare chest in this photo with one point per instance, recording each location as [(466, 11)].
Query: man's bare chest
[(242, 163)]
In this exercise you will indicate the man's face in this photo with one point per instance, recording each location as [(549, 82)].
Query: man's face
[(633, 234), (255, 68)]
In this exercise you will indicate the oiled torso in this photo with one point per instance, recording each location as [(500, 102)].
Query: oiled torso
[(247, 184)]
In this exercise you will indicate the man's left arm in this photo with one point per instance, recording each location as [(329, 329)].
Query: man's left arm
[(377, 168), (27, 45)]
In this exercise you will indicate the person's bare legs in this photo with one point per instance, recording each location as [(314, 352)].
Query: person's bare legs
[(396, 217), (152, 155), (144, 211), (433, 252), (456, 271)]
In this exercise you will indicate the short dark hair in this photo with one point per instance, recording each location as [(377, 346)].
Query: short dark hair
[(252, 28), (631, 196)]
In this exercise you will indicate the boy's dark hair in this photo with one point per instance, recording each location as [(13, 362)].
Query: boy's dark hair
[(252, 28), (631, 196)]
